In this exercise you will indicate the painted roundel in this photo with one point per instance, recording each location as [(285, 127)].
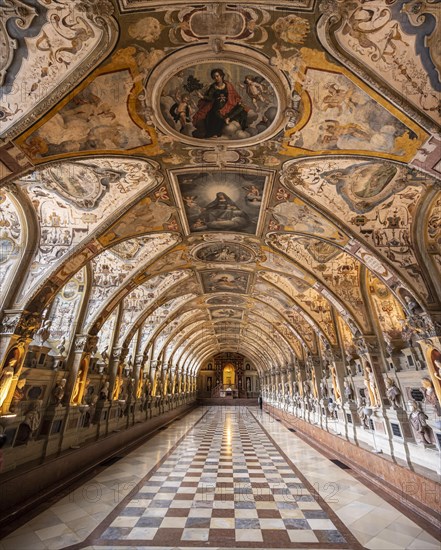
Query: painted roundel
[(223, 100), (224, 252)]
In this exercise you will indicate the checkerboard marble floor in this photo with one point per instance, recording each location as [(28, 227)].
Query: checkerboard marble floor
[(226, 484), (222, 478)]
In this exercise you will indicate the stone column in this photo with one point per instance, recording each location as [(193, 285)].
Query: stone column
[(173, 385), (179, 381), (300, 378), (369, 354), (290, 374), (285, 391), (275, 380)]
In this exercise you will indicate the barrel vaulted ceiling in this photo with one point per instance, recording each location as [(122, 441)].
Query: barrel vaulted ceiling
[(134, 208)]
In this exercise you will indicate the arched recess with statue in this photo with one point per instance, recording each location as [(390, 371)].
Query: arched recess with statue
[(228, 376)]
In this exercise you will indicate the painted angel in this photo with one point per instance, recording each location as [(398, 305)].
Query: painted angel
[(253, 85)]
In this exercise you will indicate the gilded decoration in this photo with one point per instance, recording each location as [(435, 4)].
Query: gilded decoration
[(220, 178)]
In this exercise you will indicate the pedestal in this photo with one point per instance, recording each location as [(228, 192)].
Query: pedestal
[(401, 432), (52, 427), (352, 420), (101, 417)]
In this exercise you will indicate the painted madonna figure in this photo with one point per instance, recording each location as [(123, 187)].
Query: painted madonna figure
[(223, 213), (220, 106)]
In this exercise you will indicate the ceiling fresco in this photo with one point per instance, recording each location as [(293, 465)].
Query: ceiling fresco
[(47, 45), (11, 240), (182, 180), (221, 201), (382, 38)]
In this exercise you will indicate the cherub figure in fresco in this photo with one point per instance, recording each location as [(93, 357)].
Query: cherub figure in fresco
[(254, 89), (337, 98), (181, 112), (190, 201), (253, 194), (332, 130)]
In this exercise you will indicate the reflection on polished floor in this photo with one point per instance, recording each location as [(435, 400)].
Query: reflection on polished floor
[(222, 478)]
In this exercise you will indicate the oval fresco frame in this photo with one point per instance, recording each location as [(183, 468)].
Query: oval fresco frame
[(240, 56), (224, 244)]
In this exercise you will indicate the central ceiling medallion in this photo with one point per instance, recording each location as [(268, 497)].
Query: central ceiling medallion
[(228, 97), (219, 100)]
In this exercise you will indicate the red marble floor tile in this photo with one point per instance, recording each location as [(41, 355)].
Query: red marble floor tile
[(222, 513), (271, 514), (278, 536), (222, 536), (167, 536), (177, 512)]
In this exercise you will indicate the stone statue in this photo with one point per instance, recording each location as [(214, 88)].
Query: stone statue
[(388, 341), (332, 408), (90, 413), (354, 329), (362, 413), (418, 419), (159, 388), (314, 384), (86, 385), (127, 365), (392, 392), (104, 391), (437, 368), (324, 392), (43, 333), (33, 418), (371, 386), (76, 389), (59, 391), (118, 387), (349, 394), (412, 305), (334, 381), (147, 394), (429, 394), (140, 386), (61, 348), (6, 377), (29, 426), (130, 389), (306, 388)]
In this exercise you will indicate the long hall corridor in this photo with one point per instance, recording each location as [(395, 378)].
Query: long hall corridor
[(222, 477)]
